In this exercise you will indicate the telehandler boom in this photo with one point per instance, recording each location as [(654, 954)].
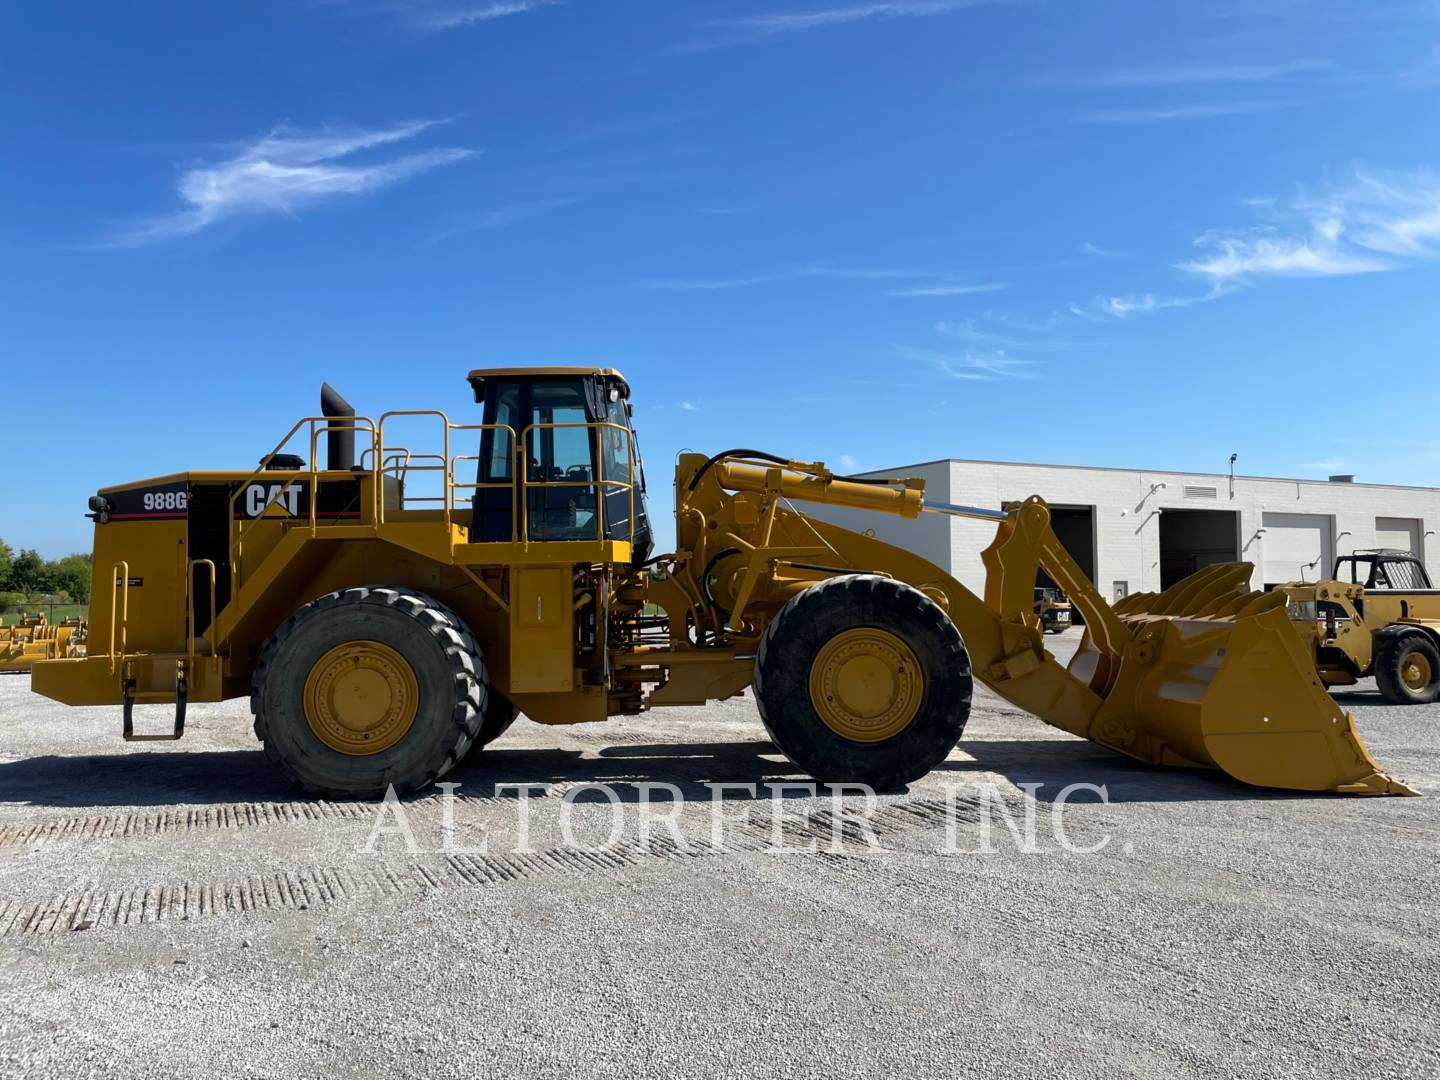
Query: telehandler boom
[(383, 632)]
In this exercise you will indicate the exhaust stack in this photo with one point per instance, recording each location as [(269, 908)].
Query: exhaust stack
[(339, 441)]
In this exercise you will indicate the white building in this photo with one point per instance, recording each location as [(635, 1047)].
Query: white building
[(1141, 530)]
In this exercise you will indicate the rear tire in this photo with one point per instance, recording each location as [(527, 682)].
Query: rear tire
[(366, 688), (863, 679), (1407, 670)]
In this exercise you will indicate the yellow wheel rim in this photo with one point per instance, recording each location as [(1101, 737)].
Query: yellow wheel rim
[(866, 685), (1415, 670), (361, 698)]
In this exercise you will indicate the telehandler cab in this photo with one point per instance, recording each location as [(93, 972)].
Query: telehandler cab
[(382, 634)]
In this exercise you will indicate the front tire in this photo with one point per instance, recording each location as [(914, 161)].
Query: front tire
[(1407, 670), (863, 679), (366, 688)]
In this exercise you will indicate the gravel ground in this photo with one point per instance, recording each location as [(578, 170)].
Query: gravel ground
[(175, 910)]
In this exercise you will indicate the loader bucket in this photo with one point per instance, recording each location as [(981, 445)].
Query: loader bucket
[(1215, 676)]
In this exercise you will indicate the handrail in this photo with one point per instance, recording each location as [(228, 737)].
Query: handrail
[(599, 482), (190, 605), (380, 439), (122, 585), (452, 485), (378, 461), (405, 470), (317, 424)]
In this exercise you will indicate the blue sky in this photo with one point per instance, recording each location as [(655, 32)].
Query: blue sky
[(874, 233)]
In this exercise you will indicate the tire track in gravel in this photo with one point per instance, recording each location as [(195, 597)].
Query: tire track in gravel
[(140, 824), (310, 887), (96, 905)]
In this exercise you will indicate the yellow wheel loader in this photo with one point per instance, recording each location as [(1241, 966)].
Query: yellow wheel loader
[(1377, 615), (387, 614), (31, 638)]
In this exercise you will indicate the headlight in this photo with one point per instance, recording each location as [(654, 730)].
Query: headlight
[(1301, 610)]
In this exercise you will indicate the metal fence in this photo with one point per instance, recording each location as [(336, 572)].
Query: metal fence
[(55, 611)]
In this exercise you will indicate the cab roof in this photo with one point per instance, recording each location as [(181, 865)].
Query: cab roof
[(478, 377)]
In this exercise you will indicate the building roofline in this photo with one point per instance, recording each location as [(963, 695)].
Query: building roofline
[(1342, 484)]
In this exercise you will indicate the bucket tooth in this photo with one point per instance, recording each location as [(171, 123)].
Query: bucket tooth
[(1214, 597), (1180, 598)]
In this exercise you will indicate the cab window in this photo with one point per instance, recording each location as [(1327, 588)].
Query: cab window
[(499, 447)]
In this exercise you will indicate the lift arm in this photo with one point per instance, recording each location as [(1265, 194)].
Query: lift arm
[(1206, 674)]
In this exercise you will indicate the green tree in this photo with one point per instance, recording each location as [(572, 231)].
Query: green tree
[(28, 572), (7, 562), (71, 575)]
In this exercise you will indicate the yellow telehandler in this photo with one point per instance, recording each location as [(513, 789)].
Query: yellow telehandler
[(382, 630), (1377, 615)]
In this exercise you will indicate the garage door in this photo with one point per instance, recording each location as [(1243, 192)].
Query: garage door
[(1293, 541), (1402, 534)]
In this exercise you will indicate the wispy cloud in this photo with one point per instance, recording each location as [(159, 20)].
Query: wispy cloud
[(1002, 333), (1242, 256), (972, 366), (449, 18), (1181, 75), (777, 24), (500, 217), (1196, 111), (1123, 307), (1375, 222), (713, 284), (945, 288), (429, 16), (1099, 252), (689, 406), (284, 172)]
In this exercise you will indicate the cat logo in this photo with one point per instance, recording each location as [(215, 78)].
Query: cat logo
[(281, 498)]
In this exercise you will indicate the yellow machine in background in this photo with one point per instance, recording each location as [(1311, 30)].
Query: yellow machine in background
[(382, 627), (1052, 609), (31, 638), (1377, 615)]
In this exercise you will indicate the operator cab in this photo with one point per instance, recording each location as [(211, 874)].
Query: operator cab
[(1381, 569), (559, 443)]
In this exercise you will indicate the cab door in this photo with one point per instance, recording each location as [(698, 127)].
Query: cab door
[(547, 422)]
